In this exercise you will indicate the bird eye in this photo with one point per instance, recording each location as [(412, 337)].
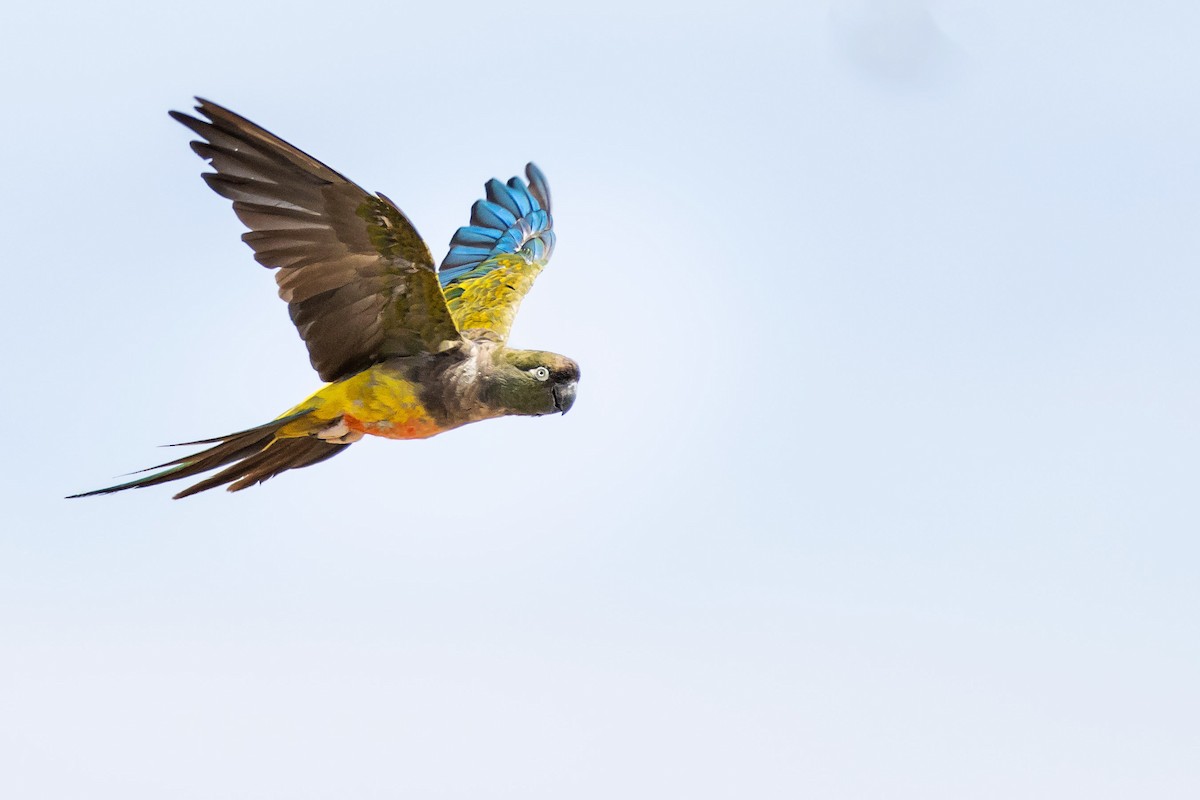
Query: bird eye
[(541, 373)]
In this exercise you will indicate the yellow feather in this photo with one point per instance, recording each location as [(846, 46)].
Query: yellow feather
[(490, 302), (375, 401)]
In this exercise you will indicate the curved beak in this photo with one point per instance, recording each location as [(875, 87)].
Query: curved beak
[(564, 397)]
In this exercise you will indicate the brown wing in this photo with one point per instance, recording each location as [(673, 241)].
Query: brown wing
[(358, 279)]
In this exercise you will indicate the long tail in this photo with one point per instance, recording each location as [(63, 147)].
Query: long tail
[(256, 455)]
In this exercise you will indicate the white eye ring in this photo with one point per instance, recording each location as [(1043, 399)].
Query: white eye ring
[(541, 373)]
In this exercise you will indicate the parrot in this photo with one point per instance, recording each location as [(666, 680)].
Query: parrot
[(405, 350)]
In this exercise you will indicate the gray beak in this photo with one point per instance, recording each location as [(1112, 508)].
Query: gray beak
[(564, 397)]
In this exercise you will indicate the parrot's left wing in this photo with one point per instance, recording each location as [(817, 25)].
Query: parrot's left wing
[(358, 280), (492, 262)]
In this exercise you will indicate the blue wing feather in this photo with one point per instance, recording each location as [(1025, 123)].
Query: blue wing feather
[(521, 195), (538, 186), (498, 193), (473, 235), (514, 218), (490, 215)]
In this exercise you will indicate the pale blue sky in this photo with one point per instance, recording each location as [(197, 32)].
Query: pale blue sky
[(882, 478)]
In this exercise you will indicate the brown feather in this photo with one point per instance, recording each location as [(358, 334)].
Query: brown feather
[(253, 456), (273, 458), (323, 233)]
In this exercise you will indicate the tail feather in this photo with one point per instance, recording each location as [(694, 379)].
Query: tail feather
[(252, 456), (272, 459)]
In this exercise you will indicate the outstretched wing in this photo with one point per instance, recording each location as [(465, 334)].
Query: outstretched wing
[(492, 262), (357, 277)]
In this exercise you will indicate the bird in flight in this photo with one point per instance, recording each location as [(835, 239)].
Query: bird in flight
[(408, 350)]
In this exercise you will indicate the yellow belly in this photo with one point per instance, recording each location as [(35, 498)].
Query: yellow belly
[(376, 401)]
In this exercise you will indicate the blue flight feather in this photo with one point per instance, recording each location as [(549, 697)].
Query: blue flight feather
[(498, 193), (521, 195), (490, 215), (464, 256), (514, 218), (474, 235), (537, 185)]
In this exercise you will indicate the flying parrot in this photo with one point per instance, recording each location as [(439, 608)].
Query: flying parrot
[(407, 350)]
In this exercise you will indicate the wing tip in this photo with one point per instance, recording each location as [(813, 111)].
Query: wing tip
[(538, 185), (203, 106), (517, 215)]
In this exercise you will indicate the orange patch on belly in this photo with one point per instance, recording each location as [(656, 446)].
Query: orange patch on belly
[(389, 429)]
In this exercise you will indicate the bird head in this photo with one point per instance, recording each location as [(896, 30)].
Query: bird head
[(531, 382)]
